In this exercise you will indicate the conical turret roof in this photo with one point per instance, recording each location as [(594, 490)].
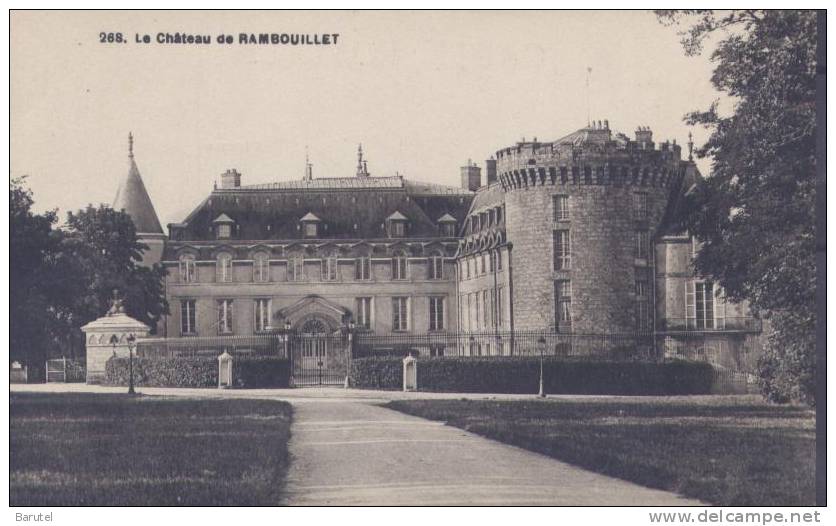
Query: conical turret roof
[(133, 199)]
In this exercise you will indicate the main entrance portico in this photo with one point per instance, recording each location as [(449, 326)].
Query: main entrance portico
[(318, 341)]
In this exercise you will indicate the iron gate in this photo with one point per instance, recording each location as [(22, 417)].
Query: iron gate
[(318, 358)]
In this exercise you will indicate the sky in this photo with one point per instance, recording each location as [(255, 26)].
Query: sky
[(422, 91)]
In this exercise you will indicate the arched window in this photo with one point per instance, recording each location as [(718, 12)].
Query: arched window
[(224, 268), (261, 268), (188, 272), (399, 265), (436, 266)]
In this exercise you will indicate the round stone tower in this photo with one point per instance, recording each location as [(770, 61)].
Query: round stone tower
[(581, 214)]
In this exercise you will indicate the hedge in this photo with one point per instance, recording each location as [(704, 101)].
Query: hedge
[(199, 371), (521, 375)]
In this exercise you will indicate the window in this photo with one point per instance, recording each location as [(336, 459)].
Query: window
[(363, 268), (493, 307), (397, 228), (261, 268), (262, 314), (436, 266), (642, 314), (400, 314), (399, 266), (498, 260), (704, 308), (363, 311), (640, 206), (188, 317), (563, 299), (329, 268), (310, 229), (296, 268), (448, 229), (478, 311), (561, 207), (188, 272), (485, 309), (470, 311), (224, 268), (224, 316), (642, 241), (436, 313), (499, 306), (562, 250), (467, 268), (486, 263), (224, 231), (642, 300)]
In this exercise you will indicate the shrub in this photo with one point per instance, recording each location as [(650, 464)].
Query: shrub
[(260, 371), (198, 371), (521, 375)]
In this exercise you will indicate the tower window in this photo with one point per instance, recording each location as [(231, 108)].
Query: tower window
[(641, 208), (642, 244), (561, 207), (562, 250), (563, 301)]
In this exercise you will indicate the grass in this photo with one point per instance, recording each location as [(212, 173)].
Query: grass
[(724, 450), (96, 449)]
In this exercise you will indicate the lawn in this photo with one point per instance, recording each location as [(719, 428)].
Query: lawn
[(98, 449), (724, 450)]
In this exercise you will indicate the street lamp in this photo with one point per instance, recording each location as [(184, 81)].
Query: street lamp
[(131, 345), (541, 343)]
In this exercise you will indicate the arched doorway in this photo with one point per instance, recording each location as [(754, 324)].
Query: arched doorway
[(318, 354)]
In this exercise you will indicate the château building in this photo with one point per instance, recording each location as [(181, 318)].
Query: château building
[(575, 235)]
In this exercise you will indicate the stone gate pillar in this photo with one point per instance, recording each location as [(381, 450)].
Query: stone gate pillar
[(108, 336)]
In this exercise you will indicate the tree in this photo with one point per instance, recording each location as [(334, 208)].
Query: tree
[(33, 247), (102, 252), (755, 213)]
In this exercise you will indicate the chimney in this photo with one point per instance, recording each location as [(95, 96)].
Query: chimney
[(230, 179), (471, 176), (644, 137), (490, 170)]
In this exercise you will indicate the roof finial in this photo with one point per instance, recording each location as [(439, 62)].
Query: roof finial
[(690, 147), (362, 171), (130, 145), (308, 166)]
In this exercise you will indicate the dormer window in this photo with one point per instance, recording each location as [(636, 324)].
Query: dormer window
[(223, 226), (447, 225), (310, 225), (397, 224)]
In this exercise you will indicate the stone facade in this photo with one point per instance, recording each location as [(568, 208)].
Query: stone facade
[(573, 235)]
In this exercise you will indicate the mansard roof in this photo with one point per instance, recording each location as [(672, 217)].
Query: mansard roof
[(133, 199), (348, 208)]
